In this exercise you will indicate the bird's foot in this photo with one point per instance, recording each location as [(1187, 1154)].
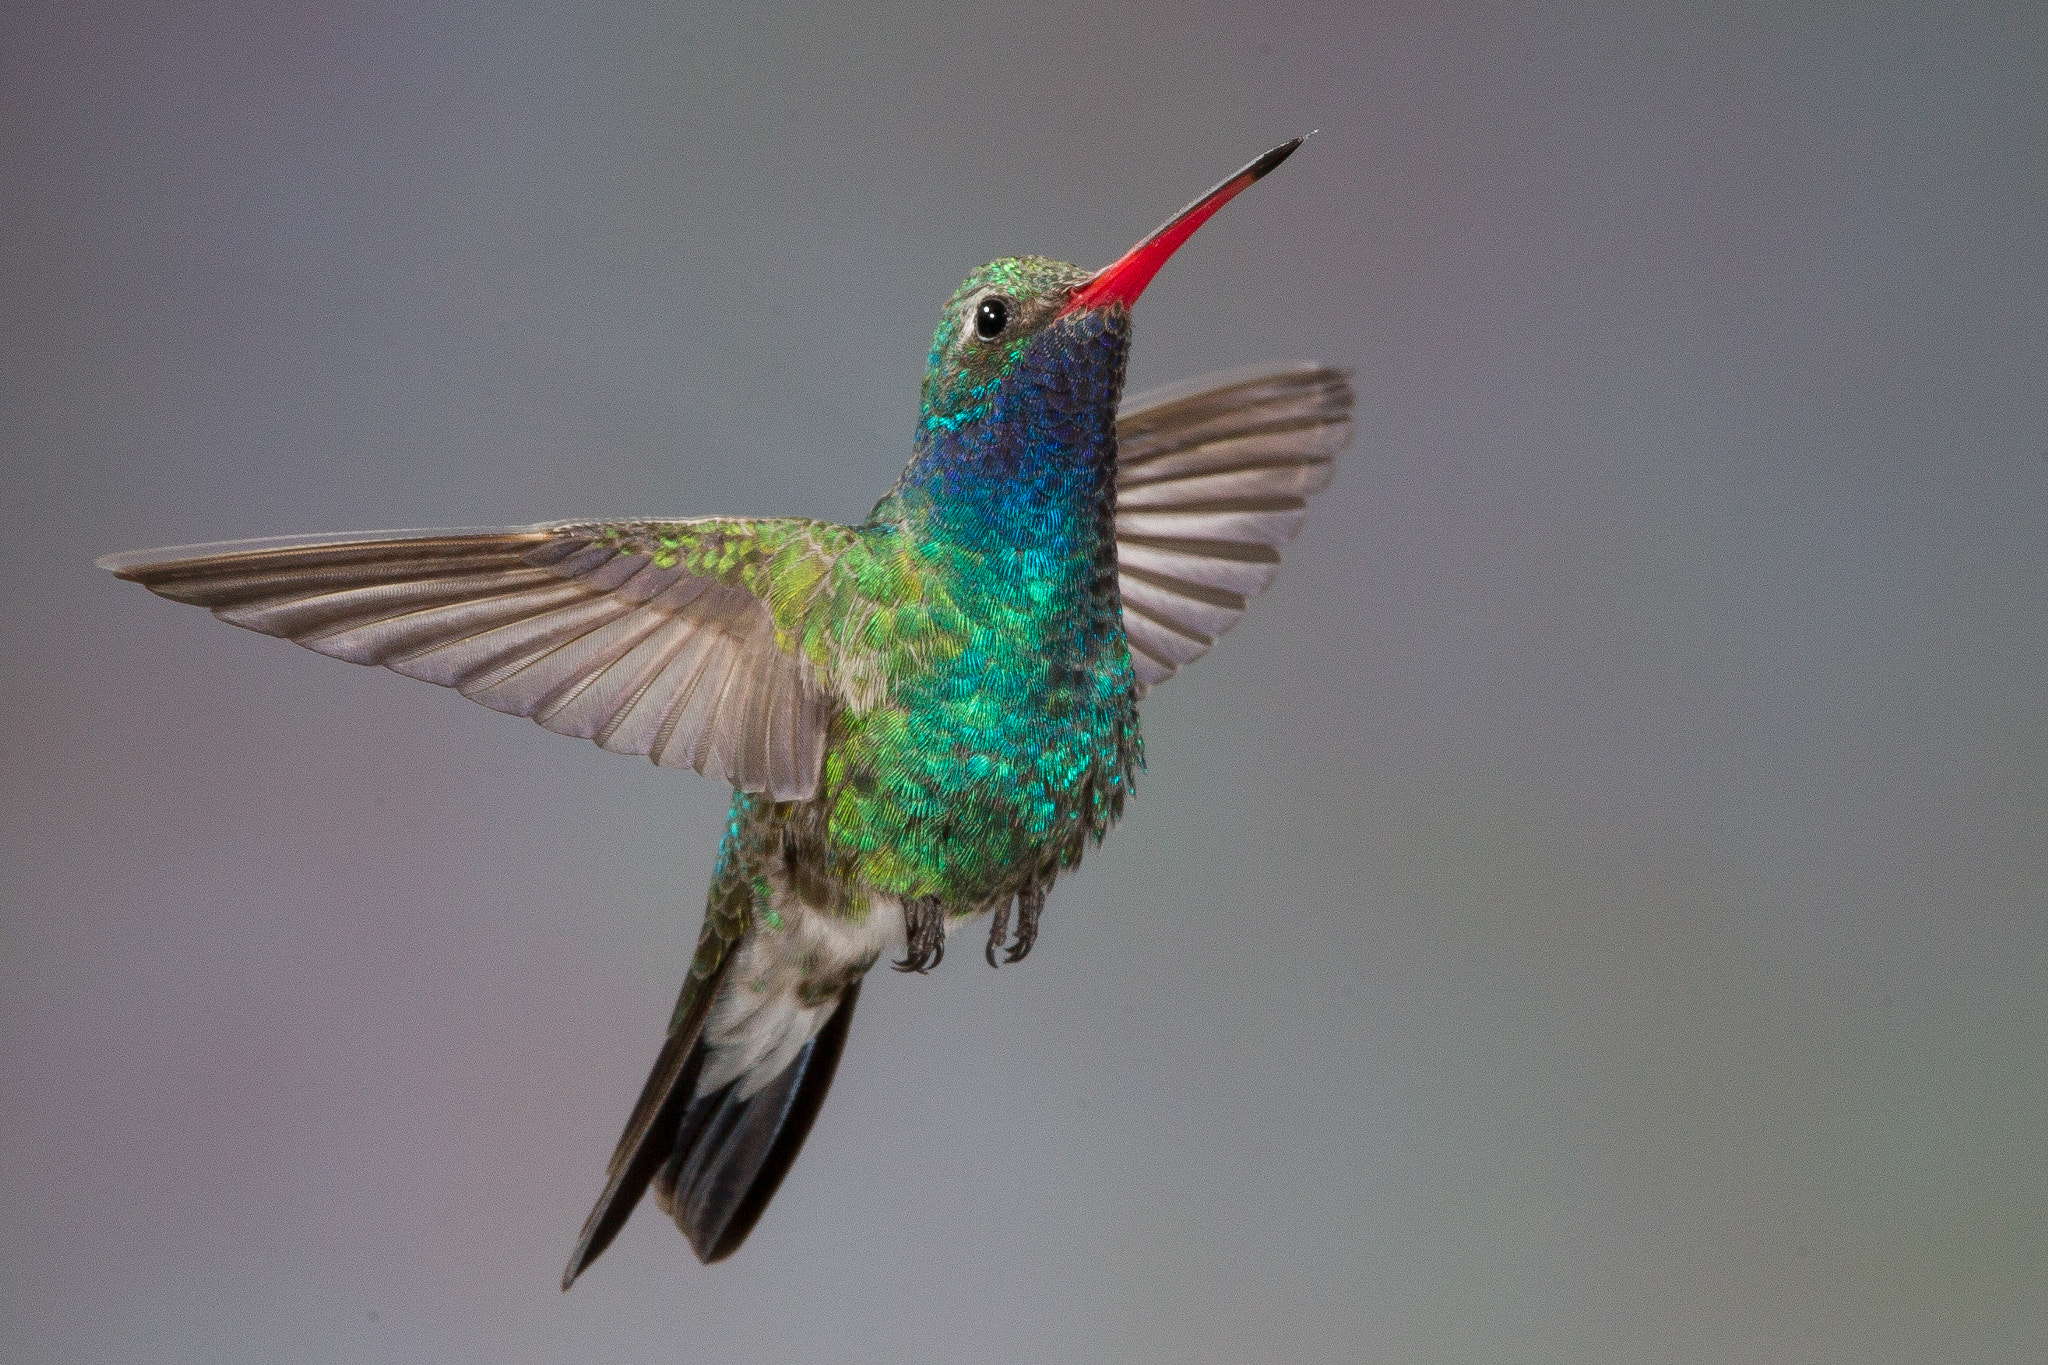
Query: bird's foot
[(998, 931), (1030, 905), (924, 935)]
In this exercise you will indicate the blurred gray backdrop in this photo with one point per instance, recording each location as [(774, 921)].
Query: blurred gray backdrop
[(1592, 910)]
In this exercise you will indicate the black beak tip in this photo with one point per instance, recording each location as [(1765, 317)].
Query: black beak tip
[(1271, 160)]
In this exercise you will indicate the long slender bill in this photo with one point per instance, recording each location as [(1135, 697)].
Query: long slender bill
[(1124, 279)]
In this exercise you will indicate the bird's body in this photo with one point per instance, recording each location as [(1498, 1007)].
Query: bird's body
[(985, 585), (927, 717)]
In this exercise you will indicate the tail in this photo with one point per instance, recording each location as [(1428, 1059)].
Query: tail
[(716, 1159), (729, 1154)]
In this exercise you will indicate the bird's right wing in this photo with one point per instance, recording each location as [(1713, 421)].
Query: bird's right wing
[(1212, 477), (687, 641)]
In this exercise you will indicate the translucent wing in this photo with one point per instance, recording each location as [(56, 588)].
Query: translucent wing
[(651, 638), (1212, 477)]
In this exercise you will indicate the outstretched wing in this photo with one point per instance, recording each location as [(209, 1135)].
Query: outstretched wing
[(679, 640), (1212, 476)]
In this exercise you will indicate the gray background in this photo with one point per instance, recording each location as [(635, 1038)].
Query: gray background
[(1592, 910)]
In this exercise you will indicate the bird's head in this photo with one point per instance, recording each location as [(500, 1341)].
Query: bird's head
[(1026, 324)]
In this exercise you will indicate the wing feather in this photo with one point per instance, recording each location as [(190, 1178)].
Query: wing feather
[(1150, 669), (1163, 640), (1208, 618), (682, 729), (589, 629), (1212, 476), (529, 684), (1241, 569), (1268, 521)]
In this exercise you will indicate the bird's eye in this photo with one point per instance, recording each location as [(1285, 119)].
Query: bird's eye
[(990, 318)]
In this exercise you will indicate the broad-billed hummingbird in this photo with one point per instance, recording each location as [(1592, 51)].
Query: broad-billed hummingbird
[(926, 717)]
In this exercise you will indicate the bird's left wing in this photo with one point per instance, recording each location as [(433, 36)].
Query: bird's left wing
[(1212, 477), (681, 640)]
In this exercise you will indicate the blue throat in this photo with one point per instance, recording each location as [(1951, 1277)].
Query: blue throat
[(1025, 466)]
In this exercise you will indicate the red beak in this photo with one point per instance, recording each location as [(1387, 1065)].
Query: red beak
[(1125, 278)]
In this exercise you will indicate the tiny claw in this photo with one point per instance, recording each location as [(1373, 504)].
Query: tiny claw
[(1030, 904), (924, 935), (919, 962), (998, 930)]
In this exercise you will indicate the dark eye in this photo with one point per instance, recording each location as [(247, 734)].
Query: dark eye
[(990, 318)]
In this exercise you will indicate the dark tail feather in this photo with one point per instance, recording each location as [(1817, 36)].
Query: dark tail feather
[(730, 1154), (650, 1131), (717, 1160)]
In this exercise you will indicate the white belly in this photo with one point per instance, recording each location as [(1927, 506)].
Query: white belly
[(760, 1020)]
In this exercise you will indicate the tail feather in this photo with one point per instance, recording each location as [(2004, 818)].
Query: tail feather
[(730, 1153), (715, 1160), (650, 1132)]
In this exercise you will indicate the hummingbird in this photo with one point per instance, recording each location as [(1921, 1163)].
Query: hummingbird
[(926, 718)]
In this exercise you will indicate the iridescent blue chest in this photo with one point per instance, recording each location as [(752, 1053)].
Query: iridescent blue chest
[(1011, 733)]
